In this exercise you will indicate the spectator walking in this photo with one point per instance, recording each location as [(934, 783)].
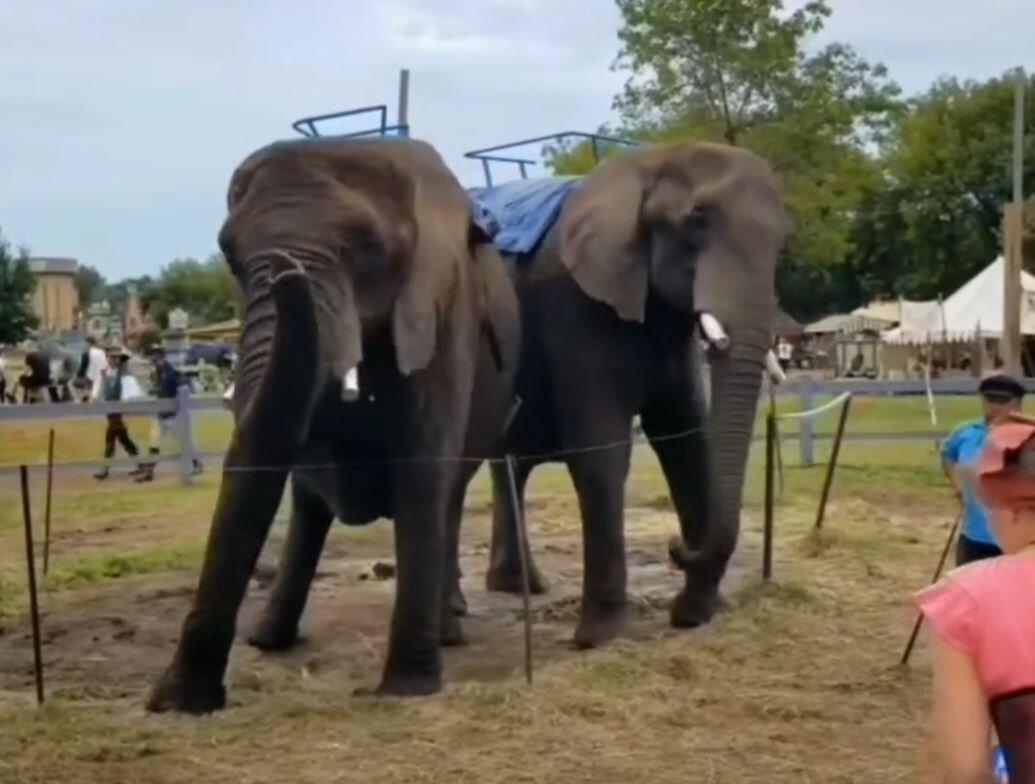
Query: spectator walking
[(168, 380), (983, 618), (116, 385), (1001, 395), (92, 366)]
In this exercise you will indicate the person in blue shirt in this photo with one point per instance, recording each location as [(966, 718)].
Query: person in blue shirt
[(1000, 395)]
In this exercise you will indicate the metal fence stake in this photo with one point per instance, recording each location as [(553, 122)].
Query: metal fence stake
[(30, 563)]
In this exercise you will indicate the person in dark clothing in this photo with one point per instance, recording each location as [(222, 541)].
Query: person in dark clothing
[(116, 431), (168, 380)]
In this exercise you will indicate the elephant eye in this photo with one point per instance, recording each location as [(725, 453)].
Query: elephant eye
[(697, 224)]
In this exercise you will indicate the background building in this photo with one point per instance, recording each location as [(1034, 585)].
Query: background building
[(56, 300)]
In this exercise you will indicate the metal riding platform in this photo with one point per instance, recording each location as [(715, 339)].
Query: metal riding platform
[(488, 155), (307, 126)]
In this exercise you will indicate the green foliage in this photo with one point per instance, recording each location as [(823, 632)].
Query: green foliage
[(206, 290), (16, 288), (89, 285), (949, 174)]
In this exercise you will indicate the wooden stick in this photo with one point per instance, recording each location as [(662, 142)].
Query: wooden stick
[(832, 465), (937, 573), (767, 540), (46, 514), (522, 534), (33, 599)]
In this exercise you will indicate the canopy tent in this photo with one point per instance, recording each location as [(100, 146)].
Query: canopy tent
[(846, 324), (974, 311)]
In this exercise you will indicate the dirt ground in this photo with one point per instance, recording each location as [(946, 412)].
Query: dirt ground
[(796, 682)]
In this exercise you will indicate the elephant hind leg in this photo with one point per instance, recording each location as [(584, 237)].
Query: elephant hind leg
[(504, 573), (311, 519)]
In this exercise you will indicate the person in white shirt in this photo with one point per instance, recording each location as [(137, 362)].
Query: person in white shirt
[(92, 369), (784, 353)]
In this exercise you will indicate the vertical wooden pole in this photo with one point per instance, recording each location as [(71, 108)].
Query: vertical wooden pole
[(832, 465), (186, 434), (1013, 231), (46, 514), (767, 531), (805, 443), (34, 607)]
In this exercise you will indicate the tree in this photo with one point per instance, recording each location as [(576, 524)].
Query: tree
[(206, 290), (740, 72), (949, 164), (89, 285), (16, 288)]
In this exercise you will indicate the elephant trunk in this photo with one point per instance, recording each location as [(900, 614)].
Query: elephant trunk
[(280, 359), (736, 379)]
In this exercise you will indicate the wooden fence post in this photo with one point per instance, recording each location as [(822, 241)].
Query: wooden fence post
[(806, 444), (186, 434)]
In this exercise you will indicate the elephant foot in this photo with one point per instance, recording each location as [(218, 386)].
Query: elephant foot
[(183, 694), (600, 623), (693, 608), (399, 686), (507, 579), (271, 636), (457, 601), (452, 632)]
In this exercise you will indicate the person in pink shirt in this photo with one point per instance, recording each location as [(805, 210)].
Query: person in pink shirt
[(983, 617)]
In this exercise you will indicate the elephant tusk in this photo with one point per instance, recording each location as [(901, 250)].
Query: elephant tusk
[(713, 332), (772, 366), (350, 385)]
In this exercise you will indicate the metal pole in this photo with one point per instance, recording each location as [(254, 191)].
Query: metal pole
[(767, 535), (34, 607), (937, 573), (404, 101), (46, 515), (828, 480), (522, 534)]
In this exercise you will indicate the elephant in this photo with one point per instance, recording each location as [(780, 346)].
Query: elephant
[(375, 313), (52, 368), (655, 252)]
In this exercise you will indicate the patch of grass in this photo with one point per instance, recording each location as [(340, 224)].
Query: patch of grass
[(95, 569)]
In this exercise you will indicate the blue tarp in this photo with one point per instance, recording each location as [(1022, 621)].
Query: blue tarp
[(518, 214)]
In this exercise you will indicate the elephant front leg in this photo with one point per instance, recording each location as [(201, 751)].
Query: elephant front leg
[(599, 478), (311, 519), (673, 418), (414, 664), (193, 682), (504, 573)]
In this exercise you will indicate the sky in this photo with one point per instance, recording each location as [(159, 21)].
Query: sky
[(121, 120)]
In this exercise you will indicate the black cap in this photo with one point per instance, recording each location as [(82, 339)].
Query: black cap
[(1001, 386)]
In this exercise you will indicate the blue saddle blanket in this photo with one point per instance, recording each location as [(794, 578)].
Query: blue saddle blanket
[(518, 214)]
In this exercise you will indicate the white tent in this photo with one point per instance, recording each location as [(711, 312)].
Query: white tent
[(977, 305)]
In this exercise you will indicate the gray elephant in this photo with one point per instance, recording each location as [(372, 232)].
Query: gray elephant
[(653, 250), (374, 310)]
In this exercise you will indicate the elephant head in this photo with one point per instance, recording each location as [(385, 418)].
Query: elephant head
[(345, 217), (699, 226)]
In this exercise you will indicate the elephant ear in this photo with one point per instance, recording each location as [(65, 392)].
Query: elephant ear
[(439, 249), (600, 237)]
